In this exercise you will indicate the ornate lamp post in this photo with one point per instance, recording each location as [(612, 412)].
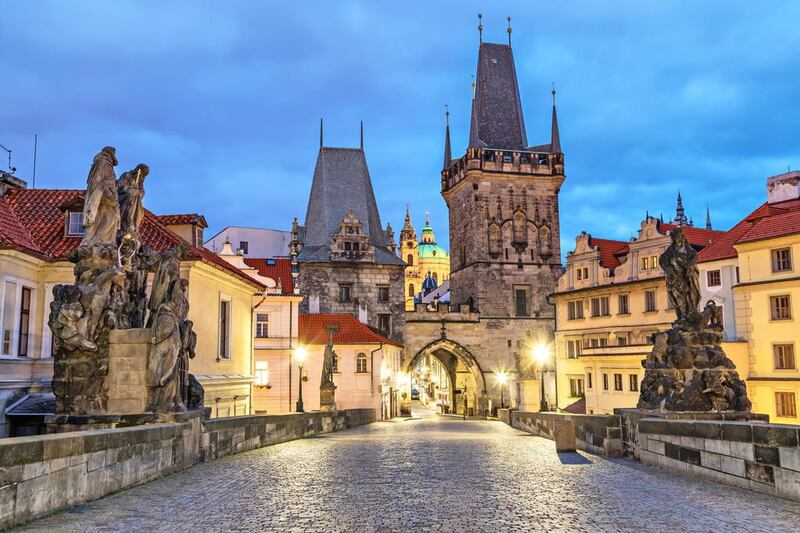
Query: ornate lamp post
[(541, 353), (300, 357), (502, 379)]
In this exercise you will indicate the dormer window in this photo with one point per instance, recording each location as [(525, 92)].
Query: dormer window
[(75, 223)]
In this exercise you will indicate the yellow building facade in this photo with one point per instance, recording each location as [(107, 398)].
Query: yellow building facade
[(423, 258), (610, 300)]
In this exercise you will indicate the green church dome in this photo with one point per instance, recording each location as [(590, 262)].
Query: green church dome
[(432, 251)]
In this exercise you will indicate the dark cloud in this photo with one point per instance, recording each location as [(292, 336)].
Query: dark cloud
[(223, 99)]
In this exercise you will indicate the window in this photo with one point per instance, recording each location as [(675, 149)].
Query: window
[(262, 325), (600, 306), (622, 340), (785, 404), (361, 363), (411, 289), (243, 245), (384, 323), (75, 223), (410, 260), (575, 309), (24, 322), (737, 274), (622, 304), (783, 355), (9, 315), (618, 382), (345, 293), (383, 294), (650, 262), (575, 387), (588, 380), (224, 329), (634, 383), (781, 260), (573, 348), (605, 381), (780, 307), (649, 301), (582, 273), (713, 278), (521, 302)]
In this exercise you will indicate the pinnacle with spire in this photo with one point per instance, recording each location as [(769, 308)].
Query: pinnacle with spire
[(447, 152), (708, 218), (680, 214), (555, 138)]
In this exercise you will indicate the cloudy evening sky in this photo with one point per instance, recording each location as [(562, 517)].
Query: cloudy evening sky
[(223, 100)]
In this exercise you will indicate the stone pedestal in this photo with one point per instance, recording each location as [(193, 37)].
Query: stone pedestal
[(564, 434), (327, 398), (126, 383)]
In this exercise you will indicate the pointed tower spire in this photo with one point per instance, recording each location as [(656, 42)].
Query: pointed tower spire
[(555, 138), (708, 218), (680, 214), (362, 135), (320, 132), (447, 152)]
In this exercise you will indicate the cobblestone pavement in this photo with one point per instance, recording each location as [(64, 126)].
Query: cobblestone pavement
[(430, 474)]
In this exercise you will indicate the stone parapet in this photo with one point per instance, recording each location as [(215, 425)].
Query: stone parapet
[(598, 434), (44, 473)]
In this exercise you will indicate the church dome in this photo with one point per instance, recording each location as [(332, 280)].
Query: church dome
[(429, 284), (433, 250)]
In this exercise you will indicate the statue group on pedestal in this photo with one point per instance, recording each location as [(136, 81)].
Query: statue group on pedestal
[(110, 292), (687, 369)]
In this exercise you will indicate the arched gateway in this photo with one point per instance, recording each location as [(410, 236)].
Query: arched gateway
[(465, 377)]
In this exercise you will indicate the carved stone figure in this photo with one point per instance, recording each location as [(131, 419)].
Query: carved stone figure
[(100, 207), (196, 396), (168, 270), (679, 263), (130, 190), (687, 370), (327, 365), (162, 379)]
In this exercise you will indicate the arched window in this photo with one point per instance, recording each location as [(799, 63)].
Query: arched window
[(410, 260), (520, 228), (361, 362), (411, 289), (495, 239)]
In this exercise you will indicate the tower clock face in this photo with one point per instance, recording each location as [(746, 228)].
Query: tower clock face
[(410, 244)]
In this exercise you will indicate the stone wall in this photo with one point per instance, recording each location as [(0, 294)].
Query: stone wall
[(45, 473), (598, 434), (322, 280), (751, 455)]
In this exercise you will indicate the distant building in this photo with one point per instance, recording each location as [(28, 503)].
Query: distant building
[(252, 242), (422, 259), (347, 263), (610, 300), (752, 272)]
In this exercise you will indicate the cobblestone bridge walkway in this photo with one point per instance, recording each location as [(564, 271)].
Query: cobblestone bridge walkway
[(428, 474)]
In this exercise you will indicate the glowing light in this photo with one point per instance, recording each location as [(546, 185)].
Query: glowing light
[(541, 353), (262, 374), (386, 373), (501, 377), (300, 355)]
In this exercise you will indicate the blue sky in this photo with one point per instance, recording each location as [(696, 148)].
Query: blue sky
[(223, 100)]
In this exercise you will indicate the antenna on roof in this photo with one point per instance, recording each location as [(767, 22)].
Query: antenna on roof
[(320, 132), (35, 144), (362, 135), (480, 28), (509, 31), (12, 169)]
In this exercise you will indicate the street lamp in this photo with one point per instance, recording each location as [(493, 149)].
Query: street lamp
[(300, 357), (502, 379), (541, 353)]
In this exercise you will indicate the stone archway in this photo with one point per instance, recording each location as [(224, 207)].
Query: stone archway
[(466, 375)]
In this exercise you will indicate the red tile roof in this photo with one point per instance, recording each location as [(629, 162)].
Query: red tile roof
[(609, 251), (767, 221), (697, 236), (312, 330), (577, 408), (188, 218), (279, 269), (33, 221)]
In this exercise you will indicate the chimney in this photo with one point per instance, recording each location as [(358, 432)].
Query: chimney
[(10, 181), (783, 187)]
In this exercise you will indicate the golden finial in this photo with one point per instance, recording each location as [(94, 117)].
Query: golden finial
[(509, 31)]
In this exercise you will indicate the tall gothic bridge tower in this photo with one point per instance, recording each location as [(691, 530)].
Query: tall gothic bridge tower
[(502, 196)]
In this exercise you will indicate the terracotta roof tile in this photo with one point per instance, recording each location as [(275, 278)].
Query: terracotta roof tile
[(312, 330), (187, 218), (697, 236), (577, 408), (279, 269), (772, 220), (609, 251), (33, 220)]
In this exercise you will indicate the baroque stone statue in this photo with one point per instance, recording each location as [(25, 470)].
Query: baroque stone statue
[(327, 365), (687, 369), (110, 292)]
